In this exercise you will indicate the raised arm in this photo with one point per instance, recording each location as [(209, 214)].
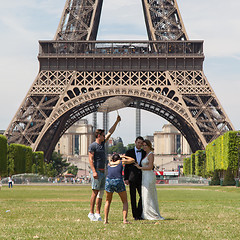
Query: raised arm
[(112, 129)]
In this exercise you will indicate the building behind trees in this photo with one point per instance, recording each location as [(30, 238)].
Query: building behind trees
[(170, 146)]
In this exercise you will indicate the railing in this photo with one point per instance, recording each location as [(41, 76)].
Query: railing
[(78, 48)]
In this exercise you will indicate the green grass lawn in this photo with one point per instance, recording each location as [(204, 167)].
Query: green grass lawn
[(60, 212)]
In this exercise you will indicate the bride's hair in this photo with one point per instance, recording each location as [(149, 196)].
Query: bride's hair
[(149, 144)]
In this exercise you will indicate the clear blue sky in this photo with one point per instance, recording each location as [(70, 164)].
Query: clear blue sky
[(24, 22)]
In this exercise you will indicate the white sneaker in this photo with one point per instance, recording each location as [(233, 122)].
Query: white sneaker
[(92, 217), (98, 217), (162, 218)]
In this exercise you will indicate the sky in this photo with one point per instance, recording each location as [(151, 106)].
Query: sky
[(24, 22)]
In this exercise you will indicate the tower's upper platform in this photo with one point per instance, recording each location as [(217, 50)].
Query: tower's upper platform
[(116, 48), (121, 55)]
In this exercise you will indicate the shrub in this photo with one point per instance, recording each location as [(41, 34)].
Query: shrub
[(192, 162), (215, 179), (186, 166), (28, 159), (200, 159), (10, 162), (17, 155), (229, 178), (222, 153), (3, 156), (19, 159)]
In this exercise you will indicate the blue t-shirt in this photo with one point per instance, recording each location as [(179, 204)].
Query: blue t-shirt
[(99, 154), (115, 172)]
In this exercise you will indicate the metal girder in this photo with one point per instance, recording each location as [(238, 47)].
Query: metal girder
[(163, 20), (77, 74), (80, 20), (184, 98)]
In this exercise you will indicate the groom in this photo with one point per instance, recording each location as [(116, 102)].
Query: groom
[(133, 177)]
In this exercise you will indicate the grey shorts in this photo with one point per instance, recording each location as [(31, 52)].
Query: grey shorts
[(98, 184)]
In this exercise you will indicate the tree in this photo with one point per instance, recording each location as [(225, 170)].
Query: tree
[(38, 162), (58, 163), (73, 170), (118, 148), (130, 146), (49, 170)]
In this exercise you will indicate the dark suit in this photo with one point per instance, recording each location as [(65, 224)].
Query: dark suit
[(134, 176)]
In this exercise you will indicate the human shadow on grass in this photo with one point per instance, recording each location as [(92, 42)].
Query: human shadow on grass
[(155, 221), (142, 221)]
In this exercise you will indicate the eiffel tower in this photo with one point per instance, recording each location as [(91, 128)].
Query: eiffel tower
[(163, 75)]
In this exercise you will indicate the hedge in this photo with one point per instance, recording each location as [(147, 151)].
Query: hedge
[(200, 159), (186, 166), (10, 162), (29, 159), (16, 155), (222, 153), (19, 159), (3, 156), (192, 164), (215, 178), (229, 178)]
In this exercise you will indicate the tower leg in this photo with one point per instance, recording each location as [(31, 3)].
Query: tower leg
[(94, 122), (138, 122), (105, 127)]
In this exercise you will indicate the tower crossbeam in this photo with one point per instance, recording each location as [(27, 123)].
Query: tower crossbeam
[(77, 74)]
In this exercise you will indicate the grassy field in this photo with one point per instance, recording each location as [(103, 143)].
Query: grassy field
[(60, 212)]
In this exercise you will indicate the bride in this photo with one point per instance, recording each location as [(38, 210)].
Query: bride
[(149, 192)]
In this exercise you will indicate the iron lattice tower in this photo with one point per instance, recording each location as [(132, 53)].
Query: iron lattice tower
[(77, 74)]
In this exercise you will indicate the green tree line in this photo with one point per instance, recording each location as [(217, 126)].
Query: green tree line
[(120, 148), (17, 158), (220, 159)]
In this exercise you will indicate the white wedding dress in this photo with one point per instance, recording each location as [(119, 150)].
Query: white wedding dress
[(149, 193)]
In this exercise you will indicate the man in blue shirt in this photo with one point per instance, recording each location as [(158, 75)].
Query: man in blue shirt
[(97, 161)]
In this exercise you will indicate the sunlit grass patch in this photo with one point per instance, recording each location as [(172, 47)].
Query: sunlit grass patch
[(60, 212)]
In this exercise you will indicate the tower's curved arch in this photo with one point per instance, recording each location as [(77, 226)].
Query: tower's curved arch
[(80, 106)]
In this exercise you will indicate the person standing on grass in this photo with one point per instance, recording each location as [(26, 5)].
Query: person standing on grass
[(10, 181), (97, 161), (133, 177), (114, 183), (149, 192)]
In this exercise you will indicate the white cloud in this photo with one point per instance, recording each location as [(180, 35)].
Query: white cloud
[(47, 6), (214, 21)]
